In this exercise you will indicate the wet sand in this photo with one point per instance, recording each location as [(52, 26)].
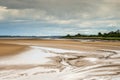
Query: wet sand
[(10, 49), (67, 44), (60, 59)]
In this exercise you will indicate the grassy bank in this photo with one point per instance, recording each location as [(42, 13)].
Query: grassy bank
[(96, 38)]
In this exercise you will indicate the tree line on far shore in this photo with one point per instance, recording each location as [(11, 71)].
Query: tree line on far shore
[(109, 34)]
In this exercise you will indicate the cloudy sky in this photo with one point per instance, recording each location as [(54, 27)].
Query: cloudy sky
[(58, 17)]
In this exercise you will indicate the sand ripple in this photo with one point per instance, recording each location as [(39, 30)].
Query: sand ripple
[(58, 64)]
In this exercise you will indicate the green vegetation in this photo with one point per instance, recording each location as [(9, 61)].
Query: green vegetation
[(113, 35)]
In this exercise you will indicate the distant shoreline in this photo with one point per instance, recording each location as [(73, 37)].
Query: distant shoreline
[(64, 38), (95, 38)]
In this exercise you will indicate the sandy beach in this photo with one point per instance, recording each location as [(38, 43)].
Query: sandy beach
[(66, 44), (43, 59), (9, 49)]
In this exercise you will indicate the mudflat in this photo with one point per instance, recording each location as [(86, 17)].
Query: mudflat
[(42, 59), (64, 44), (10, 49)]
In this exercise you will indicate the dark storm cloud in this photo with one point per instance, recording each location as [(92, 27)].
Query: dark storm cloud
[(68, 8), (22, 4), (60, 8)]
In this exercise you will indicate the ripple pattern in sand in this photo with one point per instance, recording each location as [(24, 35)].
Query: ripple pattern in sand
[(52, 64)]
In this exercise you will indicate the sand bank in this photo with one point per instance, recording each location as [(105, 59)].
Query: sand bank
[(44, 63), (68, 44), (10, 49), (61, 60)]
